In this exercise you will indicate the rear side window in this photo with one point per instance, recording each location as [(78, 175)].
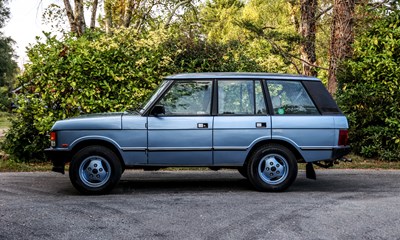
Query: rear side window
[(322, 98), (241, 97), (236, 97), (290, 98)]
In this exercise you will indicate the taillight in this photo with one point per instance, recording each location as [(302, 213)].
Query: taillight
[(343, 137), (53, 138)]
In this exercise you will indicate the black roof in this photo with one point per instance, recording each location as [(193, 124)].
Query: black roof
[(238, 75)]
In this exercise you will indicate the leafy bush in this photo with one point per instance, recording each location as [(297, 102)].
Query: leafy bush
[(23, 141), (370, 90), (100, 73), (5, 103)]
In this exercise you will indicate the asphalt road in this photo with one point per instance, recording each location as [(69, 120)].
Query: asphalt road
[(341, 204)]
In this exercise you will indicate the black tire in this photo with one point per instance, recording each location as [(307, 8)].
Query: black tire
[(95, 170), (243, 171), (272, 167)]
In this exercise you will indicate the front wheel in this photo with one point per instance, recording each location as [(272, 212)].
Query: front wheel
[(272, 167), (95, 170)]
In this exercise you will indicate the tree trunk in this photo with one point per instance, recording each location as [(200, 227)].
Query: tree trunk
[(108, 16), (80, 17), (93, 16), (307, 30), (128, 13), (70, 15), (293, 9), (342, 38)]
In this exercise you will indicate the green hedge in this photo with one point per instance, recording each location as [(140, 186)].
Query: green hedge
[(102, 73), (370, 90)]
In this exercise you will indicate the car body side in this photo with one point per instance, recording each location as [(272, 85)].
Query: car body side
[(225, 141)]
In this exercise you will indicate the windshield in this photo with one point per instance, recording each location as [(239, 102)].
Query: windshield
[(155, 94)]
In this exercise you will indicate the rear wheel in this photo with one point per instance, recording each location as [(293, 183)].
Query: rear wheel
[(272, 167), (95, 170)]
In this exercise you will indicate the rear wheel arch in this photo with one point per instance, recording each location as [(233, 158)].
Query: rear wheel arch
[(288, 145)]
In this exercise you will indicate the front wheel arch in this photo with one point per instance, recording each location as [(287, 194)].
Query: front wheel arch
[(96, 142)]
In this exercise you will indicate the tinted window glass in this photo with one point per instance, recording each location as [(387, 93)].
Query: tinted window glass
[(322, 98), (236, 97), (188, 98), (290, 97)]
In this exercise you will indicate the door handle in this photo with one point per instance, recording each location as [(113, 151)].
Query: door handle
[(202, 125), (261, 124)]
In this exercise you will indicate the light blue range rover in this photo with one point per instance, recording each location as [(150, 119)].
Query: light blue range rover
[(261, 124)]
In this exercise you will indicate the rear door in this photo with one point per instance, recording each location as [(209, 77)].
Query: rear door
[(241, 120)]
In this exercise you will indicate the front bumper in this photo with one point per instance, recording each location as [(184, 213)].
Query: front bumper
[(58, 158)]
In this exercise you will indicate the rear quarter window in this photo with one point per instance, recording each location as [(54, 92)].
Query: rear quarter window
[(290, 98), (322, 98)]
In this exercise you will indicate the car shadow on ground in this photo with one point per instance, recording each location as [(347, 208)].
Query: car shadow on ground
[(177, 182), (236, 183), (182, 185)]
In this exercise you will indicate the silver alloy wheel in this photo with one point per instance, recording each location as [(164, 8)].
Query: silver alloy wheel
[(273, 169), (94, 171)]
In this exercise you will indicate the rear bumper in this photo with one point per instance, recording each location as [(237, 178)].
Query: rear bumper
[(58, 158), (340, 152)]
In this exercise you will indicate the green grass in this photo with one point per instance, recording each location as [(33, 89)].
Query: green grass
[(7, 165), (359, 162)]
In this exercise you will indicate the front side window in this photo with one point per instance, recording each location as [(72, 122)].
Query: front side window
[(188, 98), (155, 94), (290, 97)]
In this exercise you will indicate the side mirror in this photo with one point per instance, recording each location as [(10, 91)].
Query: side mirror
[(158, 109)]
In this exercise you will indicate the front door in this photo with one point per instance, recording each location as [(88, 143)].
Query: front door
[(183, 135)]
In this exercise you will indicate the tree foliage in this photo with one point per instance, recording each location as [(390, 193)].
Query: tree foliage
[(101, 73), (138, 14), (370, 89), (271, 39), (4, 12), (8, 67)]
